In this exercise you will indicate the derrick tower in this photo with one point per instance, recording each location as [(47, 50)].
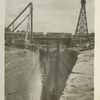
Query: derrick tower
[(82, 27)]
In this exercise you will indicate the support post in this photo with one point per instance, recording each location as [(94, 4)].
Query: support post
[(13, 26), (31, 36), (57, 64), (57, 71), (47, 48)]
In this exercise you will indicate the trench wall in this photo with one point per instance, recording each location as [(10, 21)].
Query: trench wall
[(53, 84), (22, 75), (32, 76)]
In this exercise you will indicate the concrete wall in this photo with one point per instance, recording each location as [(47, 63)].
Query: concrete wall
[(54, 83)]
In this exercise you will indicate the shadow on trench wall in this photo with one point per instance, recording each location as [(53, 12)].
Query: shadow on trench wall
[(54, 77)]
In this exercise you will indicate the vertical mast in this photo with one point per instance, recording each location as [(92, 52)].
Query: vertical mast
[(82, 28), (31, 23)]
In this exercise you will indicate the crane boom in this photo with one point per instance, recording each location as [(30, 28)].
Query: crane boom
[(19, 15)]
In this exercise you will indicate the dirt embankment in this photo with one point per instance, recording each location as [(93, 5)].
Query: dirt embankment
[(80, 84), (22, 75), (28, 79)]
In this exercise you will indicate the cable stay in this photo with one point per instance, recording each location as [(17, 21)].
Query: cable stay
[(12, 23)]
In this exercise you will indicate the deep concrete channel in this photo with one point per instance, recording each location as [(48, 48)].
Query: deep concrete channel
[(33, 76), (54, 78)]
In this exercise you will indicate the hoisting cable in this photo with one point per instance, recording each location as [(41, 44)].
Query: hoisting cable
[(20, 23)]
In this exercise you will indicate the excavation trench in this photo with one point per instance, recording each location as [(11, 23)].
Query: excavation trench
[(33, 76), (55, 74)]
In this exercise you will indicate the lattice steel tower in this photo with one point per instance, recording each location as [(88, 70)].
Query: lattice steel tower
[(82, 28)]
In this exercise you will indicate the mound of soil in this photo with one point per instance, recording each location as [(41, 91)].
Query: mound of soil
[(80, 84)]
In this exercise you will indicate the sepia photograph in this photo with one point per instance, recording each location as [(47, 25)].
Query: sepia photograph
[(49, 49)]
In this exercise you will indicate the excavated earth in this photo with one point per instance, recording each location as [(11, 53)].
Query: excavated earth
[(29, 76), (80, 84), (22, 75)]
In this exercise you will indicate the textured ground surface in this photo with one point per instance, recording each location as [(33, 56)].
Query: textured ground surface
[(79, 85), (23, 80), (22, 77)]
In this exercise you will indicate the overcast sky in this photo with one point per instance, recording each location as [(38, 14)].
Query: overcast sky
[(52, 15)]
